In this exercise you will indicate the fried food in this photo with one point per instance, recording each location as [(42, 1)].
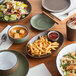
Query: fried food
[(42, 46)]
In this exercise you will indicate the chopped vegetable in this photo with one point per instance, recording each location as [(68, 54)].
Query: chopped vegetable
[(70, 56), (13, 17), (11, 10), (65, 65), (6, 17), (67, 73), (1, 14), (75, 71), (70, 67)]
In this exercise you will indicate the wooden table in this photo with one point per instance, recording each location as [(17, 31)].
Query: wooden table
[(50, 61)]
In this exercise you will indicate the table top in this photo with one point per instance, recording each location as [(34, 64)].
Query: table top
[(50, 61)]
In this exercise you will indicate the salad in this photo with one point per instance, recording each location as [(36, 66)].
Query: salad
[(68, 64), (11, 10)]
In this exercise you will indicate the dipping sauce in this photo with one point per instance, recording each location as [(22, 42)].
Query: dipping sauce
[(53, 35), (18, 32)]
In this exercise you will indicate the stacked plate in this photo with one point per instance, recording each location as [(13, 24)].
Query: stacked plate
[(13, 63)]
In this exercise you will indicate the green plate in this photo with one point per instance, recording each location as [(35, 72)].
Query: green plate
[(23, 66), (41, 22)]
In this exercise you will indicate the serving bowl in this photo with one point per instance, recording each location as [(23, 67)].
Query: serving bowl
[(8, 62), (18, 40), (64, 51), (29, 9), (32, 40)]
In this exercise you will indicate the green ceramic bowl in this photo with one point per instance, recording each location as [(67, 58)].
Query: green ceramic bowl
[(23, 66), (41, 22), (18, 40)]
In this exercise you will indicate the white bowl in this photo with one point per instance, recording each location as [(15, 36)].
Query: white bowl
[(8, 60), (64, 51)]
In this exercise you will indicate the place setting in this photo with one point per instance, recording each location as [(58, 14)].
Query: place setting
[(62, 10), (43, 45)]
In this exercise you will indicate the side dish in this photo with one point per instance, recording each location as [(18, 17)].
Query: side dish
[(42, 46), (18, 32), (53, 35), (68, 64), (11, 10)]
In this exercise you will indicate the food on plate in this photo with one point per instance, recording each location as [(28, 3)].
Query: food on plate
[(11, 10), (18, 32), (16, 36), (53, 35), (68, 64), (42, 46)]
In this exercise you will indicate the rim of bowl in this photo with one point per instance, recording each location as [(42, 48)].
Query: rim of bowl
[(18, 26), (58, 55), (14, 65), (37, 28)]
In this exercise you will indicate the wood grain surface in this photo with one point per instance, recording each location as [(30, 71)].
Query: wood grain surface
[(50, 61)]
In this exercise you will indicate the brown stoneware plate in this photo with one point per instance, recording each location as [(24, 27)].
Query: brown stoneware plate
[(55, 5), (60, 41)]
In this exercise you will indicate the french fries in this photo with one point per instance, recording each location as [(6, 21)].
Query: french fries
[(42, 46)]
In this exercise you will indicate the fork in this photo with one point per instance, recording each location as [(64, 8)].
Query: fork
[(3, 38), (67, 13)]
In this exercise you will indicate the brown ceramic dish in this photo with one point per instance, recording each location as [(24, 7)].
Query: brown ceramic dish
[(55, 5)]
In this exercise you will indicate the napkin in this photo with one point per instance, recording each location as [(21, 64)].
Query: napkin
[(5, 45), (39, 70), (60, 14)]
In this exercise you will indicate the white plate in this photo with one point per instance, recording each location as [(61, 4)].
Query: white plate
[(64, 51), (7, 60)]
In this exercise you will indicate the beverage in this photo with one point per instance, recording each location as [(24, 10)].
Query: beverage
[(71, 29)]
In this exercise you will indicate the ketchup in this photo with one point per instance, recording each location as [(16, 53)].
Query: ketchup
[(53, 35)]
